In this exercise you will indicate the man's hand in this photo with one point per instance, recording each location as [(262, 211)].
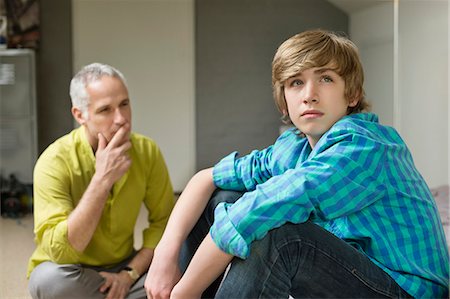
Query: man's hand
[(112, 160), (161, 278), (116, 284)]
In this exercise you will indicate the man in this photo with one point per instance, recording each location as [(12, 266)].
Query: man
[(89, 186)]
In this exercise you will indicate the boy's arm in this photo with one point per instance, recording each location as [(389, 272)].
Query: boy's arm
[(164, 272), (332, 184), (206, 265)]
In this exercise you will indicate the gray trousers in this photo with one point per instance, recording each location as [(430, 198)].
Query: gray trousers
[(53, 281)]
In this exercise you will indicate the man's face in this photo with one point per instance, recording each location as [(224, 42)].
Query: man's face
[(315, 100), (108, 110)]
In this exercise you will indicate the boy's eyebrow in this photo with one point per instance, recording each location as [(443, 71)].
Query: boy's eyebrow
[(323, 70), (318, 71)]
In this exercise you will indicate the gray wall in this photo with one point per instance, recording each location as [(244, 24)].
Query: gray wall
[(235, 44), (54, 71)]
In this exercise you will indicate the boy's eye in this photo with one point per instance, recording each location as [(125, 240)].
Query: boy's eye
[(296, 82), (327, 79)]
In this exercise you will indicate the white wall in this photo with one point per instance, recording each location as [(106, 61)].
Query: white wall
[(372, 30), (152, 43), (423, 85), (415, 97)]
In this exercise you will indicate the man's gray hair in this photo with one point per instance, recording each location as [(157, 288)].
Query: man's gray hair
[(88, 74)]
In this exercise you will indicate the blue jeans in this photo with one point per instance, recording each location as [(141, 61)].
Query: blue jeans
[(300, 260)]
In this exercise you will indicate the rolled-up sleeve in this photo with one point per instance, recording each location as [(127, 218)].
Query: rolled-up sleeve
[(53, 206), (224, 174), (243, 173), (225, 234)]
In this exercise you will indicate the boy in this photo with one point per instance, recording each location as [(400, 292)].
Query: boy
[(335, 208)]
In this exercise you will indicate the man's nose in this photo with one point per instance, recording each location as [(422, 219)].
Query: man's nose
[(119, 117)]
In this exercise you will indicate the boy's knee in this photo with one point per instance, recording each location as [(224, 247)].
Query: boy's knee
[(220, 196)]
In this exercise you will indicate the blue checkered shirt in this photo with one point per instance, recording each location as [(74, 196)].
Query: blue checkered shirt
[(359, 183)]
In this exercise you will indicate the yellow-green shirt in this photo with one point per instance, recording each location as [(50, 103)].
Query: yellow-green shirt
[(61, 176)]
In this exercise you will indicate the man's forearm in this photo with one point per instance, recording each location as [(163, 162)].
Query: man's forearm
[(111, 163), (83, 220), (141, 261)]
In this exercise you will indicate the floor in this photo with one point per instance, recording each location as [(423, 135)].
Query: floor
[(16, 246)]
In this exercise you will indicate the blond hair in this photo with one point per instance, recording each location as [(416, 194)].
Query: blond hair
[(317, 48)]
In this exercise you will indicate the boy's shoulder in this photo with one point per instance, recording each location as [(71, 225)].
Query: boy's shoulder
[(364, 118), (364, 126)]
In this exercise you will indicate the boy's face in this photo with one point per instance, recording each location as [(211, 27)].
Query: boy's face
[(108, 110), (315, 101)]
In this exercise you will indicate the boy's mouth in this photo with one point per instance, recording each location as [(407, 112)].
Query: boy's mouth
[(312, 113)]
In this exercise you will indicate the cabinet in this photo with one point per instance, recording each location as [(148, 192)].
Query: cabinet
[(18, 120)]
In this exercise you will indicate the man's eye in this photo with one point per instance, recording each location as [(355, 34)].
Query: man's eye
[(103, 110)]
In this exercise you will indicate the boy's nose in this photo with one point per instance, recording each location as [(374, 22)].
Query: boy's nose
[(310, 93)]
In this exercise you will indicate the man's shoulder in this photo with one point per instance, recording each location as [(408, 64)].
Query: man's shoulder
[(63, 146), (142, 142), (144, 147)]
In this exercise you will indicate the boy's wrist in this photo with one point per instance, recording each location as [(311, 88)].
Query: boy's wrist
[(166, 251)]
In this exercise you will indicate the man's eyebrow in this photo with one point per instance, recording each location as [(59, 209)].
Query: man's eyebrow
[(102, 107)]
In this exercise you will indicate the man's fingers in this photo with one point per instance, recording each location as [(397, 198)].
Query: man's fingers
[(102, 142), (121, 134), (105, 286)]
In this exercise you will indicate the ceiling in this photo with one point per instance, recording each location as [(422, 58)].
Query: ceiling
[(352, 6)]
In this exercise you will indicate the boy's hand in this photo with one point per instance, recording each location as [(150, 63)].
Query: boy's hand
[(161, 278), (112, 160)]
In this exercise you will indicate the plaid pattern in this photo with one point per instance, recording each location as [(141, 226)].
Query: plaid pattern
[(359, 183)]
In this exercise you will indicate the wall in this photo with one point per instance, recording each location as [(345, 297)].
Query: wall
[(54, 71), (405, 55), (235, 44), (152, 43), (423, 35), (165, 35), (372, 30)]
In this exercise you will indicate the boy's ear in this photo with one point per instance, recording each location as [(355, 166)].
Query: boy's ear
[(285, 117), (353, 103), (78, 115)]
